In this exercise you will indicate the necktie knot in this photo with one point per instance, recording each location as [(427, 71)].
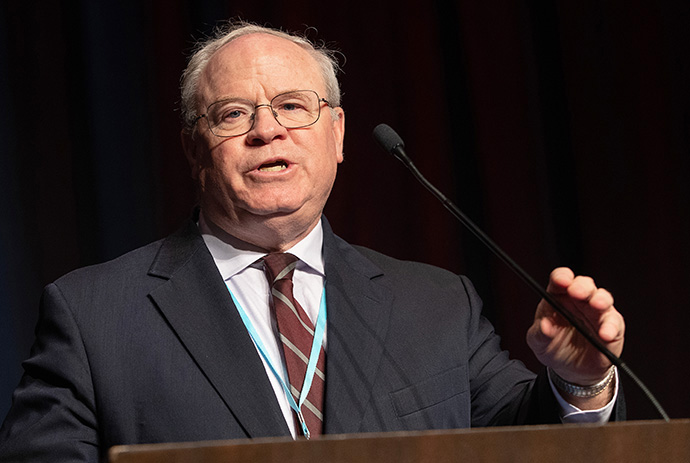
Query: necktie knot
[(279, 265)]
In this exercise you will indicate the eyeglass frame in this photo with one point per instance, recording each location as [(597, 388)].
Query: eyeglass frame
[(267, 105)]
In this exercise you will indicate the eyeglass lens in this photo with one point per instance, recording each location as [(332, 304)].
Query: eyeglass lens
[(236, 116)]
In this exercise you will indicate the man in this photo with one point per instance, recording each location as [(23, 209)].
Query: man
[(179, 340)]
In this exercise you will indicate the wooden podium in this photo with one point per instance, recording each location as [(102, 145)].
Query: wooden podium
[(634, 441)]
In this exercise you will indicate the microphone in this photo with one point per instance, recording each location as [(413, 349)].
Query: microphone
[(391, 142)]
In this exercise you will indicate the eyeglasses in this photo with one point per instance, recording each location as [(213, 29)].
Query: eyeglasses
[(235, 116)]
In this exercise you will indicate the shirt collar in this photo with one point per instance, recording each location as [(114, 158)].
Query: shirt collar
[(231, 260)]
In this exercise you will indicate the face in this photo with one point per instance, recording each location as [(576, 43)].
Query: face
[(268, 186)]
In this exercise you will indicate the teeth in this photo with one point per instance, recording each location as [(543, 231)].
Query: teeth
[(273, 168)]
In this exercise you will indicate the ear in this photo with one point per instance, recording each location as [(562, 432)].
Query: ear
[(338, 128), (189, 145)]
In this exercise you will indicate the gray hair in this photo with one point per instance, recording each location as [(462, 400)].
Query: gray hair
[(225, 34)]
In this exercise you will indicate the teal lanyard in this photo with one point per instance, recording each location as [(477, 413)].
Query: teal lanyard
[(319, 332)]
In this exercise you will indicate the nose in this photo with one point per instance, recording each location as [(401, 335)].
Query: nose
[(265, 127)]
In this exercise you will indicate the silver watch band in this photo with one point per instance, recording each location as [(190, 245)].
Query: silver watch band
[(582, 391)]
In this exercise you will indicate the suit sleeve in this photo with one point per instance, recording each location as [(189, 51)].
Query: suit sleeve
[(53, 413), (504, 392)]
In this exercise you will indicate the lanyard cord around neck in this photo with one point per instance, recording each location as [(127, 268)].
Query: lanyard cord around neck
[(319, 332)]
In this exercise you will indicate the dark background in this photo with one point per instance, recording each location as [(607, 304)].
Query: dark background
[(562, 128)]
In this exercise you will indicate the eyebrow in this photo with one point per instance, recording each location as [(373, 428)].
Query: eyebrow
[(231, 98), (237, 98)]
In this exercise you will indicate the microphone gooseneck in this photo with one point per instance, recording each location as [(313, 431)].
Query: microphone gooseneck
[(392, 143)]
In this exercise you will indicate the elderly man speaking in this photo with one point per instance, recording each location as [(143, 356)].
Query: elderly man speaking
[(256, 320)]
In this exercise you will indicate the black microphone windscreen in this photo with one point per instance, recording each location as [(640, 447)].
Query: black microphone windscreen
[(387, 137)]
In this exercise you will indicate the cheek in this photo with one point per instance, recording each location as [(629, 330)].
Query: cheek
[(326, 175), (217, 174)]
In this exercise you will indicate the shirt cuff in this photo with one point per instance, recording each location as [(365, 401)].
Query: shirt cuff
[(571, 414)]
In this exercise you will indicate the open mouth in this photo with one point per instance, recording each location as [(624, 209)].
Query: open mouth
[(273, 166)]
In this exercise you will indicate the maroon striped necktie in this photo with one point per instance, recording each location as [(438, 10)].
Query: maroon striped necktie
[(296, 332)]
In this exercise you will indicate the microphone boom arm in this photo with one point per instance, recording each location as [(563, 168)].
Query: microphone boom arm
[(392, 143)]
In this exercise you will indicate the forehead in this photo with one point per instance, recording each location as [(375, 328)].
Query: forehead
[(259, 66)]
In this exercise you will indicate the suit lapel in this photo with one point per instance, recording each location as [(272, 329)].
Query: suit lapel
[(358, 313), (198, 307)]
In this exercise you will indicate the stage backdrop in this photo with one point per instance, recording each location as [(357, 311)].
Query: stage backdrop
[(562, 129)]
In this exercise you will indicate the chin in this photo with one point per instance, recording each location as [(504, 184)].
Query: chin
[(283, 206), (270, 212)]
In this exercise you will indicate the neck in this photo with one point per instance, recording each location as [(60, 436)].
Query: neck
[(268, 235)]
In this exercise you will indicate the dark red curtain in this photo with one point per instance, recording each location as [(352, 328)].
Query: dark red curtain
[(561, 128)]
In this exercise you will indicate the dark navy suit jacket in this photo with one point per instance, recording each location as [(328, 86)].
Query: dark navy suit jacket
[(149, 348)]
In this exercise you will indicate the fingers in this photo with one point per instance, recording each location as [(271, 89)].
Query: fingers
[(557, 344), (559, 280), (540, 335), (595, 304), (580, 295), (548, 328), (612, 326), (579, 288), (600, 299)]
